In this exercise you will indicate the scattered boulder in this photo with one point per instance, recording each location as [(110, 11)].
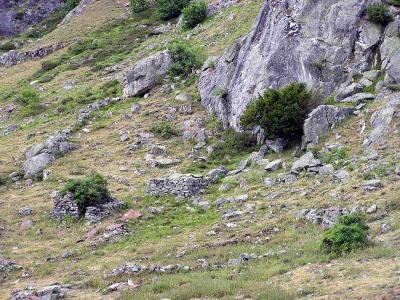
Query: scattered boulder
[(326, 217), (305, 162), (371, 185), (54, 291), (277, 145), (39, 156), (185, 97), (360, 97), (143, 76), (273, 165), (24, 212), (320, 121)]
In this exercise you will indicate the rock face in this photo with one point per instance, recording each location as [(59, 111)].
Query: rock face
[(39, 156), (180, 185), (321, 119), (143, 76), (13, 58), (18, 15), (76, 11), (292, 41)]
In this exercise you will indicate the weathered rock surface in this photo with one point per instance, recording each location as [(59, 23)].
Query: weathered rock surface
[(326, 217), (305, 162), (181, 185), (143, 76), (16, 16), (321, 119), (80, 8), (315, 43), (39, 156), (13, 57)]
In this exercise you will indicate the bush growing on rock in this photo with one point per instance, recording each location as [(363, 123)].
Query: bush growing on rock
[(194, 14), (169, 9), (88, 191), (185, 58), (348, 235), (378, 13), (281, 112)]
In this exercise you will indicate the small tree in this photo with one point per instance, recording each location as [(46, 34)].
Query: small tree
[(185, 58), (88, 191), (194, 14), (378, 13), (169, 9), (280, 112), (348, 235), (138, 6)]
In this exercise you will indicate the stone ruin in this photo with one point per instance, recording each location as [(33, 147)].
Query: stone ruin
[(66, 206), (180, 185)]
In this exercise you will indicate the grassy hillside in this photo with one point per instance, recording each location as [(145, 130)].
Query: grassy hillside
[(289, 263)]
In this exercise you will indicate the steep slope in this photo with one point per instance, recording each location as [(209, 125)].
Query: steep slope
[(251, 234)]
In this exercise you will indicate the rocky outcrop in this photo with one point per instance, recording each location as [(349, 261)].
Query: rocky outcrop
[(305, 163), (39, 156), (180, 185), (319, 43), (326, 217), (17, 15), (13, 58), (80, 8), (382, 119), (215, 6), (143, 76), (321, 119)]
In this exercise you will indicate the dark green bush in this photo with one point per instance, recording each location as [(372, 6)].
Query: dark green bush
[(394, 2), (71, 4), (169, 9), (232, 143), (164, 130), (138, 6), (88, 191), (194, 14), (7, 46), (348, 235), (50, 65), (185, 57), (280, 112), (379, 13)]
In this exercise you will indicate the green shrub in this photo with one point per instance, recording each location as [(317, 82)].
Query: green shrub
[(88, 191), (394, 2), (185, 58), (280, 112), (111, 88), (50, 65), (348, 235), (7, 46), (30, 99), (164, 130), (194, 14), (232, 143), (138, 6), (71, 4), (379, 13), (338, 157), (169, 9)]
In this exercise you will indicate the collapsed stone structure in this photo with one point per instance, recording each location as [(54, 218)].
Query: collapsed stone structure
[(180, 185), (13, 57)]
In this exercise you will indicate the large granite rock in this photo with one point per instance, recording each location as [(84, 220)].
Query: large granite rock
[(321, 119), (180, 185), (315, 42), (17, 15), (39, 156), (143, 76)]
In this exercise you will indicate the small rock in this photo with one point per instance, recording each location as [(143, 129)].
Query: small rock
[(273, 165), (184, 97), (372, 209), (371, 185), (25, 225)]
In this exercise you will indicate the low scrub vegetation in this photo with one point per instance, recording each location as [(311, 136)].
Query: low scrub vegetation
[(164, 130), (30, 101), (169, 9), (232, 143), (348, 235), (194, 14), (281, 112), (186, 58), (87, 191), (379, 13)]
